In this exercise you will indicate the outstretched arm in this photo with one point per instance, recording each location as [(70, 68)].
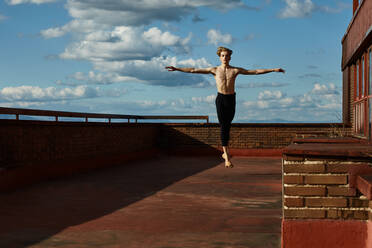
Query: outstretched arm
[(191, 70), (259, 71)]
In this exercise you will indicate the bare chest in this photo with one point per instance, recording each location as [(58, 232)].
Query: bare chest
[(226, 75)]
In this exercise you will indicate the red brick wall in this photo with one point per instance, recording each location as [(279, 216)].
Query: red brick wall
[(321, 197), (37, 150), (242, 136), (356, 32), (319, 189), (31, 141)]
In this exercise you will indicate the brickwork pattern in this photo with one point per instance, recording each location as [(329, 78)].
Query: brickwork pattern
[(30, 142), (242, 136), (356, 32), (320, 190), (41, 141)]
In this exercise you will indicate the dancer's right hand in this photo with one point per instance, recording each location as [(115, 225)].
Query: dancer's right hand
[(171, 68)]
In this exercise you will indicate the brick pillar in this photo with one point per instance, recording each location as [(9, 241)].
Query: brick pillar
[(321, 207), (320, 190)]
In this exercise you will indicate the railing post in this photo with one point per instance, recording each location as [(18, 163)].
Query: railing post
[(56, 118), (86, 119), (17, 117)]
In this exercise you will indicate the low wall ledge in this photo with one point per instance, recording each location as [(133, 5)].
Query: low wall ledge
[(326, 150)]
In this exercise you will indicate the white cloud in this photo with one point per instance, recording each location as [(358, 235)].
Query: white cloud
[(112, 36), (305, 8), (38, 94), (153, 71), (263, 104), (151, 104), (297, 9), (142, 71), (140, 12), (322, 89), (288, 101), (268, 95), (320, 97), (15, 2), (340, 7), (215, 37), (124, 43), (156, 37), (307, 107), (74, 26), (99, 78), (53, 32), (207, 99), (262, 85)]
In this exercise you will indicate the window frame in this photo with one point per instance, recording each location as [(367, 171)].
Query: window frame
[(357, 80), (369, 92), (362, 103), (362, 77)]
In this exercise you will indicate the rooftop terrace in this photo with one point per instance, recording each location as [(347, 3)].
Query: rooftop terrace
[(132, 184), (168, 201)]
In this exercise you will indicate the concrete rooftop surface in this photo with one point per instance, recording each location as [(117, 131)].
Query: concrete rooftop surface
[(166, 202)]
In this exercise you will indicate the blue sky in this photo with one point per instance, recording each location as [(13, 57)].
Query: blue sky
[(108, 56)]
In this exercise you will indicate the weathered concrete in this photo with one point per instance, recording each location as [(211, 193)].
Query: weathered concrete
[(166, 202)]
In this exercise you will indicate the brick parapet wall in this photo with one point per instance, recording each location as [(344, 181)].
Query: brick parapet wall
[(322, 189), (33, 141), (48, 149), (244, 136), (29, 141)]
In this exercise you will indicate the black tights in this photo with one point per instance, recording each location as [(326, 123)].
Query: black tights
[(225, 105)]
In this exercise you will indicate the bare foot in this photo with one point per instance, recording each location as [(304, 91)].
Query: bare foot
[(228, 163)]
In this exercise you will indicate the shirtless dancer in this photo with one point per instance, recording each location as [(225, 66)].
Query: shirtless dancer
[(225, 102)]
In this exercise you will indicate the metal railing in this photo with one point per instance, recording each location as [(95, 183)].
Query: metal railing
[(57, 114)]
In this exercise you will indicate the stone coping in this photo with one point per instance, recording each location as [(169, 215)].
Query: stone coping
[(331, 149), (333, 140), (364, 185)]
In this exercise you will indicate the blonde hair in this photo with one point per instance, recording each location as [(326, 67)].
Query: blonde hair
[(221, 49)]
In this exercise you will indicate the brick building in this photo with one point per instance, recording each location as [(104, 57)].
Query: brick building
[(357, 70), (327, 183)]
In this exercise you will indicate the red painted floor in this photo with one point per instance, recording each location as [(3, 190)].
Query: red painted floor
[(168, 202)]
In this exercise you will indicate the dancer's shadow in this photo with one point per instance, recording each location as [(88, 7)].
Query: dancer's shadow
[(30, 215)]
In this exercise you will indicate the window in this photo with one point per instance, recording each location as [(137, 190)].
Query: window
[(370, 93), (370, 118), (362, 83), (362, 104), (370, 72), (357, 118), (357, 80)]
